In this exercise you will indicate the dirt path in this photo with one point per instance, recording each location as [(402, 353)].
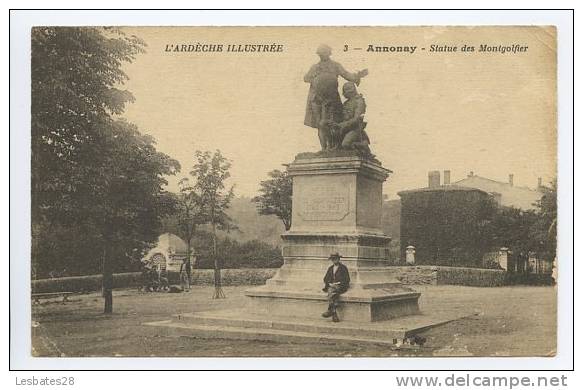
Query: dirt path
[(512, 321)]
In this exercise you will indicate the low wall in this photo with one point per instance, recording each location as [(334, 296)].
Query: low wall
[(478, 277), (229, 277), (416, 274), (85, 283), (439, 275), (413, 275), (234, 277)]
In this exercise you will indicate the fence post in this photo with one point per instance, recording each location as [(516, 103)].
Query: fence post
[(503, 258), (410, 255)]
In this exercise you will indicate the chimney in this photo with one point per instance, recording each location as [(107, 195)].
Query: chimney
[(511, 179), (434, 179), (540, 182), (446, 177), (471, 174)]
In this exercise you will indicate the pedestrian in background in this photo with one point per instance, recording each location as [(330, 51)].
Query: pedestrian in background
[(184, 279)]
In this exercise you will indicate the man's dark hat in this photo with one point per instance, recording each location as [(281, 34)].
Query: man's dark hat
[(334, 255)]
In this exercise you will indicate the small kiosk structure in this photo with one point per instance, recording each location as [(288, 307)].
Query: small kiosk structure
[(168, 254)]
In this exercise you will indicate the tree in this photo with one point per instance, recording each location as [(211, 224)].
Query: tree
[(210, 173), (75, 77), (525, 231), (189, 214), (95, 178), (509, 227), (544, 231), (276, 197), (131, 202)]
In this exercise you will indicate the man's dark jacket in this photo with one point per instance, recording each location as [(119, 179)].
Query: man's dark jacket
[(341, 276)]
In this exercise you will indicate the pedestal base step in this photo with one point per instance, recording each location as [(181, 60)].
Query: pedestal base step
[(355, 305), (241, 325)]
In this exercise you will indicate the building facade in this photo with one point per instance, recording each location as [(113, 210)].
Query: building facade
[(447, 223), (444, 222), (168, 254)]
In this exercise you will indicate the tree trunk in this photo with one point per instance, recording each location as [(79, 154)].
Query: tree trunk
[(218, 290), (215, 242), (107, 281), (188, 264), (108, 295), (36, 224)]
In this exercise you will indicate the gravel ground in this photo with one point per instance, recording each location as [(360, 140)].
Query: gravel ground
[(512, 321)]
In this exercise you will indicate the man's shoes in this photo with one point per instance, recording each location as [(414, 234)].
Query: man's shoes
[(335, 317), (327, 314)]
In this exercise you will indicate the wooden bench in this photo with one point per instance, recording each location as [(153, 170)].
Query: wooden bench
[(38, 296)]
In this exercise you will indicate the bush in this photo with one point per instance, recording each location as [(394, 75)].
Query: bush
[(250, 254), (529, 279)]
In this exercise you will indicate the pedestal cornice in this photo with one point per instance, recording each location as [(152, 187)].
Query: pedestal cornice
[(339, 165)]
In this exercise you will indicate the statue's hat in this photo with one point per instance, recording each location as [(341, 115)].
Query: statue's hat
[(324, 49)]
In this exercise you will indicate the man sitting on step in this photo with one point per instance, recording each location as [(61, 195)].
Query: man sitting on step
[(336, 282)]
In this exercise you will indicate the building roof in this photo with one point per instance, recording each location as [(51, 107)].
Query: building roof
[(168, 245), (171, 241), (444, 188), (508, 194)]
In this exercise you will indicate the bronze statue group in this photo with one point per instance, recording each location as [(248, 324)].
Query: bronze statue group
[(340, 124)]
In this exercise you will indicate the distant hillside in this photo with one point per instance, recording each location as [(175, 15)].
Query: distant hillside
[(266, 228)]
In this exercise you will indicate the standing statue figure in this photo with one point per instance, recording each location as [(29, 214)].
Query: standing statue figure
[(350, 130), (324, 105)]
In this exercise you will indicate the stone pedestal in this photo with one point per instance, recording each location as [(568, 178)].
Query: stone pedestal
[(337, 207)]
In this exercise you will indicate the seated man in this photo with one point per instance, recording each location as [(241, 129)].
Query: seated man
[(336, 282), (350, 132)]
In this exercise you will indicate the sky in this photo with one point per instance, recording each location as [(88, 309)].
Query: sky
[(490, 113)]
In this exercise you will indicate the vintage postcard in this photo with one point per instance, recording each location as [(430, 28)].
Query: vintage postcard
[(294, 191)]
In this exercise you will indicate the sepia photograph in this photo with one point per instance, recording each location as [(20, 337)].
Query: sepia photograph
[(338, 191)]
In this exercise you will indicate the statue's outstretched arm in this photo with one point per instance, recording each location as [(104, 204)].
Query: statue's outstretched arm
[(354, 77)]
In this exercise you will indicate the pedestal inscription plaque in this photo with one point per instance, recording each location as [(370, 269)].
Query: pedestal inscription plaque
[(325, 203)]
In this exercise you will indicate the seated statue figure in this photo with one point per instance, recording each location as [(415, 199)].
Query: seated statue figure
[(349, 133)]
